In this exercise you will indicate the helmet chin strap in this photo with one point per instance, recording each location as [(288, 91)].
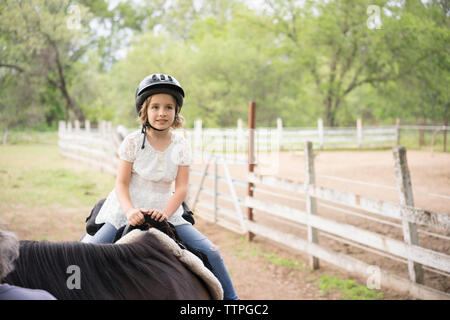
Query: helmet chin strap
[(147, 124), (144, 130)]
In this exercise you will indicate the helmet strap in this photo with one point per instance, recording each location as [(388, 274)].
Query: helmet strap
[(144, 130)]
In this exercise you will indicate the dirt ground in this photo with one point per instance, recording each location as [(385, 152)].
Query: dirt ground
[(264, 270)]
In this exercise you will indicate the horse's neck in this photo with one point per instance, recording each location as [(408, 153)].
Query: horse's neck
[(108, 271)]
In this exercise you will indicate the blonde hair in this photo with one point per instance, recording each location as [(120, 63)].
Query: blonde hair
[(143, 115)]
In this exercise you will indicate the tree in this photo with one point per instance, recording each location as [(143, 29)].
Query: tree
[(333, 41), (222, 64), (425, 88), (52, 42), (299, 60), (43, 42)]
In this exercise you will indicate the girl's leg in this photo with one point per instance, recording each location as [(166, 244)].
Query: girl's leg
[(105, 234), (195, 239)]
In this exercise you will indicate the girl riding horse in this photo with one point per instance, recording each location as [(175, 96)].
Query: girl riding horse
[(151, 159)]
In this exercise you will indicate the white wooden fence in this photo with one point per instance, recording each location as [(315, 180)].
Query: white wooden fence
[(80, 140), (96, 147), (235, 140), (408, 251)]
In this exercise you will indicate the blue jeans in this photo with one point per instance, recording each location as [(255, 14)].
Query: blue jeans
[(105, 234), (198, 241), (193, 238)]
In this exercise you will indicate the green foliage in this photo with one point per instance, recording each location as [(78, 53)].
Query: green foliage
[(298, 60), (288, 263), (349, 289)]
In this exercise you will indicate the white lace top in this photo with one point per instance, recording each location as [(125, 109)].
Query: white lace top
[(152, 175)]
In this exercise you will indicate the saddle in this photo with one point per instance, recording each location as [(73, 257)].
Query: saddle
[(92, 227), (164, 226)]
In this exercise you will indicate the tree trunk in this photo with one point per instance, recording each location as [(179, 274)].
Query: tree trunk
[(330, 111), (337, 101), (70, 103)]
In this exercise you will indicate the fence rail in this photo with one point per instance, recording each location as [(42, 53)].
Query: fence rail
[(290, 139), (387, 209), (235, 140), (94, 146)]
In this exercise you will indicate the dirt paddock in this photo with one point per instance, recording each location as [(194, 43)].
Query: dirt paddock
[(374, 177)]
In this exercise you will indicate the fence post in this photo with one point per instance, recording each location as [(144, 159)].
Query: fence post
[(445, 134), (240, 139), (279, 132), (397, 132), (406, 199), (311, 207), (320, 128), (61, 127), (87, 126), (101, 128), (77, 125), (251, 158), (359, 132), (108, 128)]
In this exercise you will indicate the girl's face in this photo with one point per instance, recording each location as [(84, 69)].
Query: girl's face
[(161, 111)]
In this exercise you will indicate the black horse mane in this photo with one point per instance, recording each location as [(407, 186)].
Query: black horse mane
[(139, 270)]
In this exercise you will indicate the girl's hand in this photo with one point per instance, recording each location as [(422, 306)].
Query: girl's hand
[(158, 215), (136, 216)]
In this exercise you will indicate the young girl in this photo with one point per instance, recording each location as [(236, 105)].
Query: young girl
[(151, 159)]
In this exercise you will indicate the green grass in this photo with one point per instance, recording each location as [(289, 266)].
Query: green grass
[(288, 263), (36, 175), (28, 136), (349, 289)]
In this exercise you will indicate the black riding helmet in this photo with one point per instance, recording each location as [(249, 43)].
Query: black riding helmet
[(153, 84), (159, 83)]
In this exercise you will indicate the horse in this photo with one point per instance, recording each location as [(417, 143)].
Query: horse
[(143, 269)]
